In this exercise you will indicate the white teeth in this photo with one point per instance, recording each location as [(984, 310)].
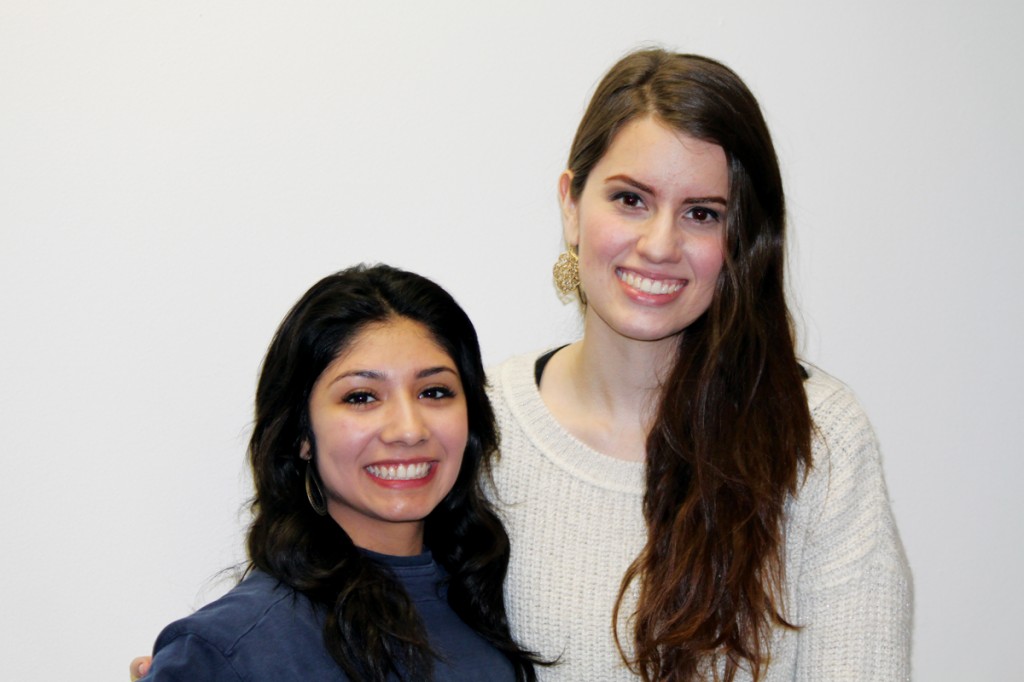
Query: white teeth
[(649, 286), (400, 472)]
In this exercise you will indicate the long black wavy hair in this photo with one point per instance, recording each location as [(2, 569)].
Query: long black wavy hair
[(372, 629)]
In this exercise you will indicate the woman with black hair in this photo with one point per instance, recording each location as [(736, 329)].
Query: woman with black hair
[(373, 554)]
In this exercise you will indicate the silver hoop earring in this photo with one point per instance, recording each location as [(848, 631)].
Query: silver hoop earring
[(314, 493)]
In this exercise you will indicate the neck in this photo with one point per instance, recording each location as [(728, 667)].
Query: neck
[(604, 390), (394, 539), (626, 369)]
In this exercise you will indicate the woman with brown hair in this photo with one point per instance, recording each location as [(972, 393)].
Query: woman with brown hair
[(686, 500)]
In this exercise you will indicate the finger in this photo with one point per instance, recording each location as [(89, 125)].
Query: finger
[(139, 667)]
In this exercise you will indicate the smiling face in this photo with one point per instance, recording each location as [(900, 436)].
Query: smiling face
[(390, 427), (650, 229)]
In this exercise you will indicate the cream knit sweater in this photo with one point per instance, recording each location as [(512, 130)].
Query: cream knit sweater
[(574, 517)]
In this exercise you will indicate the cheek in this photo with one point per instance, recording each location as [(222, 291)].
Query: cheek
[(601, 240), (707, 256), (339, 441), (453, 434), (455, 438)]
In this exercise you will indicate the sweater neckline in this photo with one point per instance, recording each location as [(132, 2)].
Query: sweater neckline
[(424, 558), (559, 446)]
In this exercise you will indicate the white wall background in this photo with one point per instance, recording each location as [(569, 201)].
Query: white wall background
[(173, 175)]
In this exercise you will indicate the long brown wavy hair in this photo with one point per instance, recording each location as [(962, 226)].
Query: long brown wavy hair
[(732, 432)]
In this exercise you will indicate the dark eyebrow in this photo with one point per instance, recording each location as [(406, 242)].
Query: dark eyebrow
[(706, 200), (365, 373), (631, 181), (431, 371), (650, 190), (376, 375)]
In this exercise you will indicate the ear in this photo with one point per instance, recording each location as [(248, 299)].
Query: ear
[(305, 452), (570, 210)]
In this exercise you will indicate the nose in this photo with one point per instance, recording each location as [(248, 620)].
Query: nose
[(660, 240), (405, 424)]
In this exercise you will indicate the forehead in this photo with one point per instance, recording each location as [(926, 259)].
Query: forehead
[(397, 341), (650, 147)]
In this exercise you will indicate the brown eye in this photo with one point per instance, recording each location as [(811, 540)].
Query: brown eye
[(359, 398), (629, 199), (437, 393), (702, 214)]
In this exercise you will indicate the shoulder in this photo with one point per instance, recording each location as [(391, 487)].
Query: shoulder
[(512, 384), (846, 479), (514, 371), (839, 419), (257, 622), (226, 621), (824, 390)]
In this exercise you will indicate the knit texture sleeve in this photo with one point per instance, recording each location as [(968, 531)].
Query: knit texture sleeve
[(854, 591)]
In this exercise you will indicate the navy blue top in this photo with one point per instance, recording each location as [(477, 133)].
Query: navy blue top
[(264, 630)]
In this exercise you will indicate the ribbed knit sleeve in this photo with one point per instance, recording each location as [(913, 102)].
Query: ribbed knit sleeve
[(847, 573)]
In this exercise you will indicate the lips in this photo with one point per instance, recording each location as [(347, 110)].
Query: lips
[(649, 285)]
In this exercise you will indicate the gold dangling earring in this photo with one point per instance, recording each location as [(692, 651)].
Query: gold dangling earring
[(314, 493), (567, 272)]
